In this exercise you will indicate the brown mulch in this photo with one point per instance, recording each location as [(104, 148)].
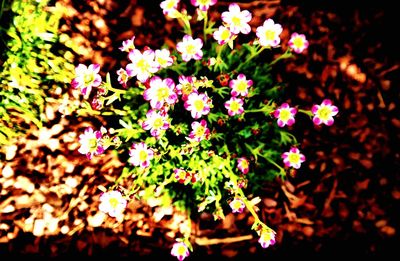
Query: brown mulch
[(344, 200)]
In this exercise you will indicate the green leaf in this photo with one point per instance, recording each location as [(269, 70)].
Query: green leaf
[(246, 133), (124, 124), (113, 98), (230, 44)]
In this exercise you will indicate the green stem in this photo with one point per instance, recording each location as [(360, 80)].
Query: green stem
[(186, 28), (115, 111), (267, 109), (264, 109), (205, 27), (282, 170), (249, 206), (220, 48), (189, 232), (285, 55), (122, 176), (254, 54), (307, 112), (118, 91), (90, 111), (175, 68)]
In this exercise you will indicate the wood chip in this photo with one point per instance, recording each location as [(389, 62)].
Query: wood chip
[(8, 209), (97, 219), (11, 151), (388, 230), (7, 171), (39, 227)]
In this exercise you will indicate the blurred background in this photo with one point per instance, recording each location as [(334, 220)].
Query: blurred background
[(345, 200)]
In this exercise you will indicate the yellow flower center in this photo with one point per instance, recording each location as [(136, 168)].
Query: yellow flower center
[(162, 93), (266, 236), (298, 42), (270, 35), (199, 105), (241, 86), (294, 158), (235, 106), (181, 250), (158, 123), (161, 61), (143, 155), (113, 202), (93, 144), (200, 131), (324, 113), (187, 88), (142, 64), (88, 78), (182, 175), (203, 2), (284, 115), (237, 204), (124, 77), (236, 21), (225, 34), (190, 49), (244, 164), (170, 4)]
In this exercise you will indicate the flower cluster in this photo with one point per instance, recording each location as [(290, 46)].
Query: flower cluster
[(202, 117)]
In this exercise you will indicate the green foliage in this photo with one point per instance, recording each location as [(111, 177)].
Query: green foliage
[(34, 64)]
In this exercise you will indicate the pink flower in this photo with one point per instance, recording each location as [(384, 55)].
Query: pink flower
[(140, 155), (243, 165), (324, 113), (142, 65), (237, 20), (200, 131), (285, 115), (190, 48), (169, 7), (240, 86), (293, 158), (186, 86), (198, 104), (91, 143), (180, 250), (267, 238), (128, 45), (156, 122), (237, 205), (268, 33), (96, 104), (163, 58), (160, 92), (122, 77), (234, 106), (182, 176), (222, 35), (86, 78), (203, 4), (298, 42), (113, 203)]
